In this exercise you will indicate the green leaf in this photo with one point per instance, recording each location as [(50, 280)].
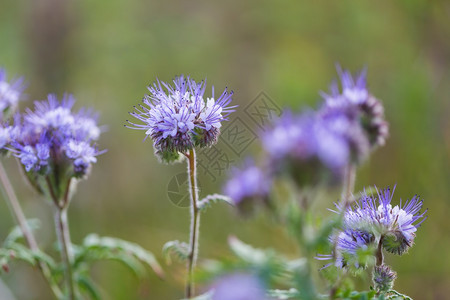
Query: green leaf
[(107, 248), (16, 233), (283, 294), (247, 252), (88, 287), (214, 198), (177, 248), (397, 295)]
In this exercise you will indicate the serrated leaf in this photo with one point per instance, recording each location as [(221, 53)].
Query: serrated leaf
[(177, 248), (283, 294), (131, 254), (214, 198)]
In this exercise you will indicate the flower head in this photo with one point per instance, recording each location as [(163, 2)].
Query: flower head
[(312, 144), (10, 93), (179, 118), (52, 139), (248, 185), (355, 96), (348, 243), (396, 226)]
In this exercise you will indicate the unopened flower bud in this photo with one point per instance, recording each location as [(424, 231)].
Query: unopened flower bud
[(383, 278)]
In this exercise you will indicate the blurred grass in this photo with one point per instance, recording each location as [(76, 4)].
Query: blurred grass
[(106, 52)]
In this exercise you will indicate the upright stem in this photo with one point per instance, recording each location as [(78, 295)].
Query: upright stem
[(63, 235), (349, 183), (379, 253), (17, 210), (18, 214), (195, 222)]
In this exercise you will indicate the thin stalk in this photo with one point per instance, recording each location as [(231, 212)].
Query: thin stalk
[(348, 187), (63, 235), (379, 253), (195, 222), (16, 210), (349, 184)]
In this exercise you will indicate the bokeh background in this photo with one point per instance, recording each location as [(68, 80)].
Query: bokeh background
[(107, 52)]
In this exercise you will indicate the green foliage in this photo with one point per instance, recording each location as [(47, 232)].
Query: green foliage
[(96, 248), (13, 250), (214, 198), (179, 249)]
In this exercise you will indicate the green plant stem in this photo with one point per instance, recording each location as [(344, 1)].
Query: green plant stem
[(62, 232), (16, 210), (63, 235), (349, 184), (379, 253), (195, 222)]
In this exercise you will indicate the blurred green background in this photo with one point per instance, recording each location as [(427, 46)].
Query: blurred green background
[(107, 52)]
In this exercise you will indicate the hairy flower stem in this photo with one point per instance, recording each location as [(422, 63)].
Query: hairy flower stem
[(379, 253), (195, 222), (63, 235), (14, 205), (349, 184)]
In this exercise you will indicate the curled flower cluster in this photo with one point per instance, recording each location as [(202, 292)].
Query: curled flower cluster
[(344, 130), (51, 139), (354, 98), (318, 146), (10, 93), (180, 118), (374, 221)]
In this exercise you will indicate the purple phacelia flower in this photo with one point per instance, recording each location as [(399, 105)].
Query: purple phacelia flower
[(10, 93), (312, 144), (355, 97), (238, 286), (354, 90), (179, 118), (353, 143), (53, 138), (348, 243), (394, 226), (248, 185)]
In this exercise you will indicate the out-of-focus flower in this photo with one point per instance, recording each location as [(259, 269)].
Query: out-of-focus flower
[(52, 140), (10, 93), (238, 286), (180, 118), (355, 96), (311, 145), (248, 186)]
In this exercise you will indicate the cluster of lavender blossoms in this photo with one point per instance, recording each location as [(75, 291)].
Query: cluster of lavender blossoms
[(53, 140), (323, 147), (179, 118), (374, 221), (318, 146)]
